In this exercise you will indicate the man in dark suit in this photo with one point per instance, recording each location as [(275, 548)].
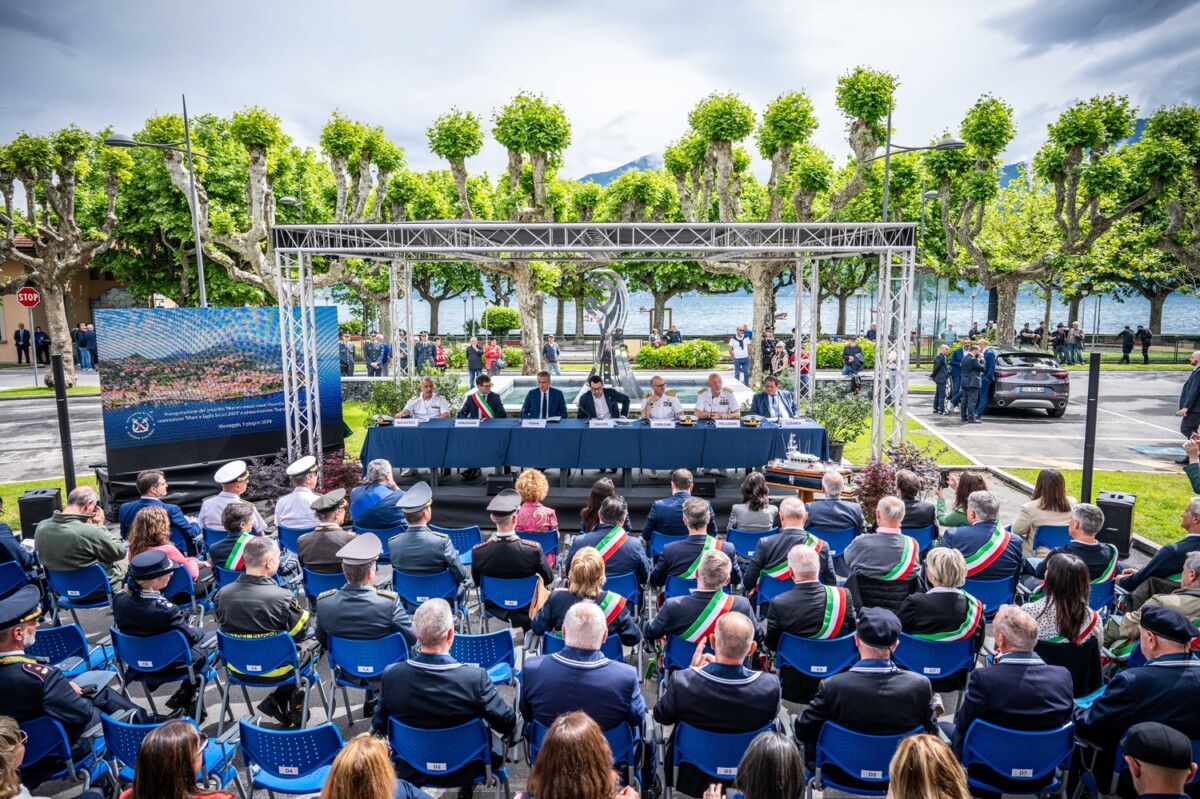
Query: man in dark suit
[(544, 401), (419, 550), (971, 381), (772, 553), (621, 552), (773, 402), (956, 358), (1101, 559), (599, 402), (151, 488), (991, 552), (988, 377), (831, 512), (939, 376), (1126, 338), (1161, 574), (1189, 399), (431, 690), (692, 617), (373, 504), (21, 338), (666, 515), (682, 558), (507, 556), (718, 694), (483, 403)]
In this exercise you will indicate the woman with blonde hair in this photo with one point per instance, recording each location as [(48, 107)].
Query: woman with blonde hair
[(12, 752), (533, 516), (575, 762), (925, 768), (944, 612), (586, 584), (363, 770)]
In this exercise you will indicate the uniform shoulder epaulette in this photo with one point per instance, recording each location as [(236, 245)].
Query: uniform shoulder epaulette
[(164, 602), (385, 593), (437, 534), (37, 670), (330, 592), (529, 543)]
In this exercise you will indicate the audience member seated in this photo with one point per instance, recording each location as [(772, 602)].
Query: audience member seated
[(1121, 634), (586, 584), (831, 512), (533, 516), (142, 610), (874, 697), (575, 762), (589, 516), (75, 537), (918, 514), (233, 478), (755, 512), (294, 510), (963, 485), (506, 556), (1062, 614), (925, 768), (1159, 759), (1100, 559), (419, 550), (718, 693), (318, 549), (887, 554), (1161, 574), (622, 553), (229, 552), (682, 558), (12, 551), (151, 530), (168, 761), (666, 515), (771, 554), (694, 616), (375, 505), (991, 552), (151, 488), (431, 690), (774, 402), (809, 610), (254, 606), (944, 612), (771, 769), (12, 752), (1191, 449), (1049, 505)]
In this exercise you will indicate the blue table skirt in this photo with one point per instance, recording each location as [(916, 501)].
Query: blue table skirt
[(570, 444)]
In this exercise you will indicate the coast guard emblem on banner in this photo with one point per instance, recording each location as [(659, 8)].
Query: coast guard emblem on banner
[(141, 425)]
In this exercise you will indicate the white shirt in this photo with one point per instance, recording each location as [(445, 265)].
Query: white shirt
[(664, 407), (601, 406), (724, 403), (212, 508), (294, 510), (779, 407), (741, 348), (421, 408)]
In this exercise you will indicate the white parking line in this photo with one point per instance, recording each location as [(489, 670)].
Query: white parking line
[(1130, 418)]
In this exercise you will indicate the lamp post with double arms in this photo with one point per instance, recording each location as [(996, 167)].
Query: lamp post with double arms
[(925, 196)]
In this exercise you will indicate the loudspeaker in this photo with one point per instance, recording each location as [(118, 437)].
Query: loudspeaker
[(498, 482), (1118, 519), (704, 487), (37, 504)]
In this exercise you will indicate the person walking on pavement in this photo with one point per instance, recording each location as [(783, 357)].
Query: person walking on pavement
[(1126, 338), (972, 378), (1189, 400), (1144, 335), (941, 371)]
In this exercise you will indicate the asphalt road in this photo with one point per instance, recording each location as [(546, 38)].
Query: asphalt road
[(29, 430)]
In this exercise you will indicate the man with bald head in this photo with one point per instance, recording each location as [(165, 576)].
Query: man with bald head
[(693, 616), (831, 512), (770, 558)]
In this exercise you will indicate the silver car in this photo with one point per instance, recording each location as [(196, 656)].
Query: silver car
[(1030, 379)]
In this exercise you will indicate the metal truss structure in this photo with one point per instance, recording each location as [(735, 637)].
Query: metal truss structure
[(404, 243)]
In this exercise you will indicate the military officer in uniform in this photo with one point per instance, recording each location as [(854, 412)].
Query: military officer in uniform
[(682, 558), (659, 404), (419, 550), (295, 509), (233, 479), (699, 610), (716, 402), (319, 549), (771, 554), (507, 556), (622, 553)]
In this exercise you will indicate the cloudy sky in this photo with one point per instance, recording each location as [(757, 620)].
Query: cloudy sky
[(626, 71)]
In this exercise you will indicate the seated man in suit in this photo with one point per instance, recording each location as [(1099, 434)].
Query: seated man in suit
[(419, 550), (1161, 573), (666, 515), (692, 617), (874, 697), (917, 513), (431, 690), (1100, 559), (772, 554), (682, 558), (373, 504), (1121, 634), (831, 512), (599, 402), (991, 552), (718, 694), (151, 488), (544, 401), (887, 554), (622, 553), (319, 549), (481, 403), (507, 556), (774, 402), (809, 610)]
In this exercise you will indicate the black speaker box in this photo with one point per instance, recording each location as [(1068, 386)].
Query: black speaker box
[(498, 482), (37, 504), (704, 487)]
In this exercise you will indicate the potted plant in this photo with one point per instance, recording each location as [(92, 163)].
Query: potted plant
[(844, 416)]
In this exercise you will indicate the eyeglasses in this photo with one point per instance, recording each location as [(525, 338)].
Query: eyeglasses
[(21, 741), (657, 385), (203, 743)]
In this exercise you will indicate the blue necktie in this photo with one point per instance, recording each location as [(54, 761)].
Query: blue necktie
[(775, 402), (545, 413)]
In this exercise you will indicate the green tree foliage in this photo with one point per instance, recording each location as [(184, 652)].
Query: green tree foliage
[(499, 320), (1175, 218), (721, 120), (457, 136), (864, 96)]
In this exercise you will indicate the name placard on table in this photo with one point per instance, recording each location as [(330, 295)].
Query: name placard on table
[(541, 423), (406, 422), (466, 422), (728, 423), (794, 421), (595, 423), (668, 424)]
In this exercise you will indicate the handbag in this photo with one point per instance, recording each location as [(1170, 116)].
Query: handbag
[(500, 363)]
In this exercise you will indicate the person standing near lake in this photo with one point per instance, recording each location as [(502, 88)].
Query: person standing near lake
[(475, 365), (852, 362), (1144, 335), (674, 336), (948, 336), (1126, 337), (424, 351), (739, 351), (492, 358), (550, 354), (1075, 343), (972, 378)]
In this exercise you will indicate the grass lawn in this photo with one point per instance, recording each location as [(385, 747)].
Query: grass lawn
[(354, 414), (859, 451), (46, 392), (1160, 497), (9, 492)]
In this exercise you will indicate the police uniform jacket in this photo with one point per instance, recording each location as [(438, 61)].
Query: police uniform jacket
[(1167, 563), (580, 679), (1096, 556), (318, 549), (419, 550), (1160, 690), (469, 411), (179, 523), (1019, 692), (362, 613), (678, 613), (678, 556), (801, 612), (970, 538), (550, 618), (373, 507), (666, 516), (630, 557), (294, 510), (212, 508), (509, 557), (835, 513), (254, 605), (774, 549), (618, 404), (148, 613), (940, 610)]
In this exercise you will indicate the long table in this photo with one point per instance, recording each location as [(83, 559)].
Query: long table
[(571, 444)]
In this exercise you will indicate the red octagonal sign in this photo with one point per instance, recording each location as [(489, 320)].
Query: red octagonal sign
[(29, 297)]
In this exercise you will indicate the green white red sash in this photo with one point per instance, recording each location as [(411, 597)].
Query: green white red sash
[(485, 410), (720, 604), (987, 554), (1083, 634), (971, 622), (835, 612), (236, 560), (710, 542), (908, 560), (782, 571), (612, 604), (1110, 570), (612, 542)]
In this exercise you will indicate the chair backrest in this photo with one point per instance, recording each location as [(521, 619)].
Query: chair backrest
[(934, 659), (869, 592), (181, 583), (182, 544), (625, 584), (1082, 660), (678, 586), (992, 593), (717, 754), (678, 652), (1018, 754), (547, 540), (366, 659), (1101, 596), (56, 644), (317, 583), (622, 741), (815, 657), (258, 655), (744, 541), (658, 540), (384, 534), (225, 576), (289, 537), (212, 536), (770, 587), (122, 739), (12, 577), (289, 753), (439, 752), (415, 589), (508, 593), (151, 653), (47, 739), (924, 536), (864, 757), (837, 540), (77, 584), (1051, 536), (485, 650), (463, 538), (611, 648)]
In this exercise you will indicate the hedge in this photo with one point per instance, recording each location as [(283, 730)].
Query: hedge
[(694, 354), (829, 354)]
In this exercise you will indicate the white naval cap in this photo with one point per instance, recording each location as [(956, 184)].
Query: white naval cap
[(306, 464), (232, 472)]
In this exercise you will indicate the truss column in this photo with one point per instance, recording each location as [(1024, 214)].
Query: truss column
[(298, 354), (890, 392)]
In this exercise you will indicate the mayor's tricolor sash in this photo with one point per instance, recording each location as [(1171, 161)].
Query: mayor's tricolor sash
[(612, 604), (908, 560), (485, 410), (236, 560), (987, 554), (1083, 634), (710, 542), (720, 604), (612, 542), (971, 622), (1109, 572), (782, 571), (835, 612)]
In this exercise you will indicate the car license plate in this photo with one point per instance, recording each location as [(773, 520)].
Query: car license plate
[(1032, 389)]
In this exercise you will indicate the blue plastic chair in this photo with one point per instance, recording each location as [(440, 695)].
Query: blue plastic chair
[(289, 538), (48, 740), (626, 585), (353, 664), (934, 659), (317, 583), (289, 761), (123, 739), (924, 535), (509, 594), (71, 588), (624, 741), (437, 753), (864, 757), (226, 576), (12, 577), (464, 539), (744, 541), (1102, 596), (1037, 759), (182, 585), (678, 652), (837, 540), (677, 586), (992, 593), (415, 589), (261, 655), (816, 657), (716, 754), (67, 648), (769, 588), (212, 536), (658, 540), (494, 652), (141, 658), (1051, 536), (612, 648), (547, 540)]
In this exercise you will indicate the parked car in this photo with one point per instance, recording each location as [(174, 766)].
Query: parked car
[(1026, 378)]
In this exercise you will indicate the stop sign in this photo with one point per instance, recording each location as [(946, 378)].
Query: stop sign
[(29, 297)]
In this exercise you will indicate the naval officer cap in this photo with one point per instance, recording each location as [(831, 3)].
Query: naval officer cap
[(504, 503), (334, 499), (306, 464), (232, 473), (23, 606), (419, 497), (150, 564), (361, 550)]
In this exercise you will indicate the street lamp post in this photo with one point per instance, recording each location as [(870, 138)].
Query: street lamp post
[(472, 312), (858, 315), (948, 143), (973, 293), (466, 323), (925, 196), (295, 202)]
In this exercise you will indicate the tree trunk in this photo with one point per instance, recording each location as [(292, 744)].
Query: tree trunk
[(1156, 310), (1046, 322), (762, 281), (529, 301), (659, 317), (60, 334), (1006, 310), (539, 162), (1072, 310), (726, 201), (843, 301), (433, 316), (559, 317), (579, 297), (459, 170)]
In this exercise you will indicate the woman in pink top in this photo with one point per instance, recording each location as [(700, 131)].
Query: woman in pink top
[(151, 529), (533, 516)]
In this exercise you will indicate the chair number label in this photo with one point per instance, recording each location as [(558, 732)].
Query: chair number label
[(1022, 772), (871, 775), (726, 771), (435, 766), (291, 771), (253, 667), (819, 669), (932, 670), (146, 664), (510, 603), (422, 599), (365, 670)]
